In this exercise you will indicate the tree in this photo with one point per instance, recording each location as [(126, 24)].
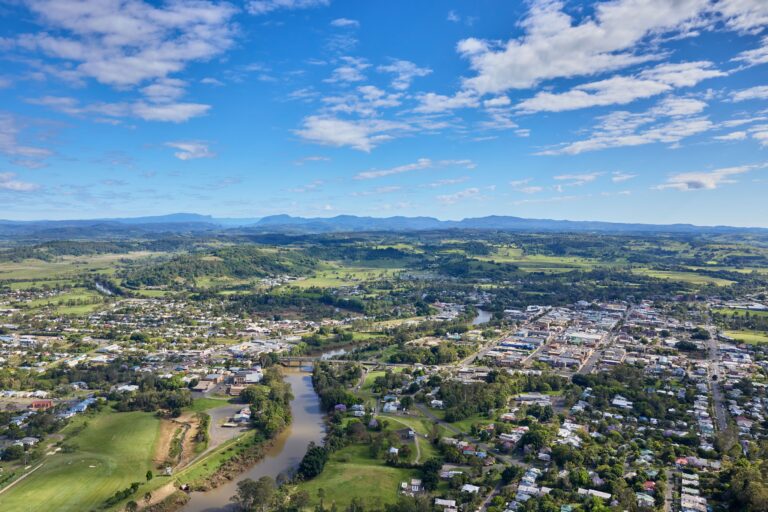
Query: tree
[(147, 496), (313, 462), (131, 506), (406, 402), (255, 494), (149, 475)]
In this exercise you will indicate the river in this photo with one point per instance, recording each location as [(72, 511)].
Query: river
[(482, 317), (287, 450)]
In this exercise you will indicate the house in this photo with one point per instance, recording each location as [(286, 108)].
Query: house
[(390, 407), (471, 489), (394, 451), (340, 408), (440, 502), (41, 405), (437, 404)]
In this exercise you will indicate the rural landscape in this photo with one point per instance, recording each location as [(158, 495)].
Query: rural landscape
[(383, 256), (284, 369)]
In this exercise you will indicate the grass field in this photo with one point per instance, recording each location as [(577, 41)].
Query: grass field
[(330, 276), (115, 449), (738, 312), (351, 472), (751, 337), (685, 277)]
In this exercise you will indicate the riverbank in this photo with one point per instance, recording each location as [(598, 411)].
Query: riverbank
[(281, 456)]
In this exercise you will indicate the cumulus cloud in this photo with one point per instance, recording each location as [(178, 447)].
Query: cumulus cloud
[(130, 43), (260, 7), (8, 181), (554, 46), (363, 135), (705, 180), (420, 164), (190, 150), (405, 71)]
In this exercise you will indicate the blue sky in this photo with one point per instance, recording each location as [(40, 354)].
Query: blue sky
[(623, 110)]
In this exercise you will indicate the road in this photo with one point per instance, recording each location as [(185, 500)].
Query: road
[(721, 413)]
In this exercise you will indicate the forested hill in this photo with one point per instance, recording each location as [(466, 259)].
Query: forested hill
[(240, 262)]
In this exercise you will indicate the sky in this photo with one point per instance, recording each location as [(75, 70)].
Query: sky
[(651, 111)]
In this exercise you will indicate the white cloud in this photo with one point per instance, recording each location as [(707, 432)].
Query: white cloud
[(365, 101), (554, 46), (166, 112), (209, 80), (345, 22), (363, 135), (8, 181), (621, 177), (453, 17), (753, 93), (498, 101), (754, 57), (618, 90), (405, 72), (314, 185), (377, 191), (169, 112), (20, 153), (190, 150), (744, 15), (446, 182), (130, 42), (458, 196), (432, 103), (670, 121), (260, 7), (706, 180), (312, 158), (682, 74), (575, 180), (350, 71), (420, 164), (165, 90), (738, 135)]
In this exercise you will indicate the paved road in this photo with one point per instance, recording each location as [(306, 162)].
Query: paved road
[(721, 413)]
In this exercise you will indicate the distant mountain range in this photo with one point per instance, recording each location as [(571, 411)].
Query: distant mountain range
[(179, 223)]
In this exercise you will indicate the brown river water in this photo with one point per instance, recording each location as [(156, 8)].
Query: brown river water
[(286, 452)]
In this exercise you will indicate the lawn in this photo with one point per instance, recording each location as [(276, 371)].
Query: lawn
[(203, 404), (751, 337), (114, 450), (350, 472), (739, 312)]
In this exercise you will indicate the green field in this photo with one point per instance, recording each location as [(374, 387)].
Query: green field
[(685, 277), (751, 337), (738, 312), (114, 450), (350, 472)]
